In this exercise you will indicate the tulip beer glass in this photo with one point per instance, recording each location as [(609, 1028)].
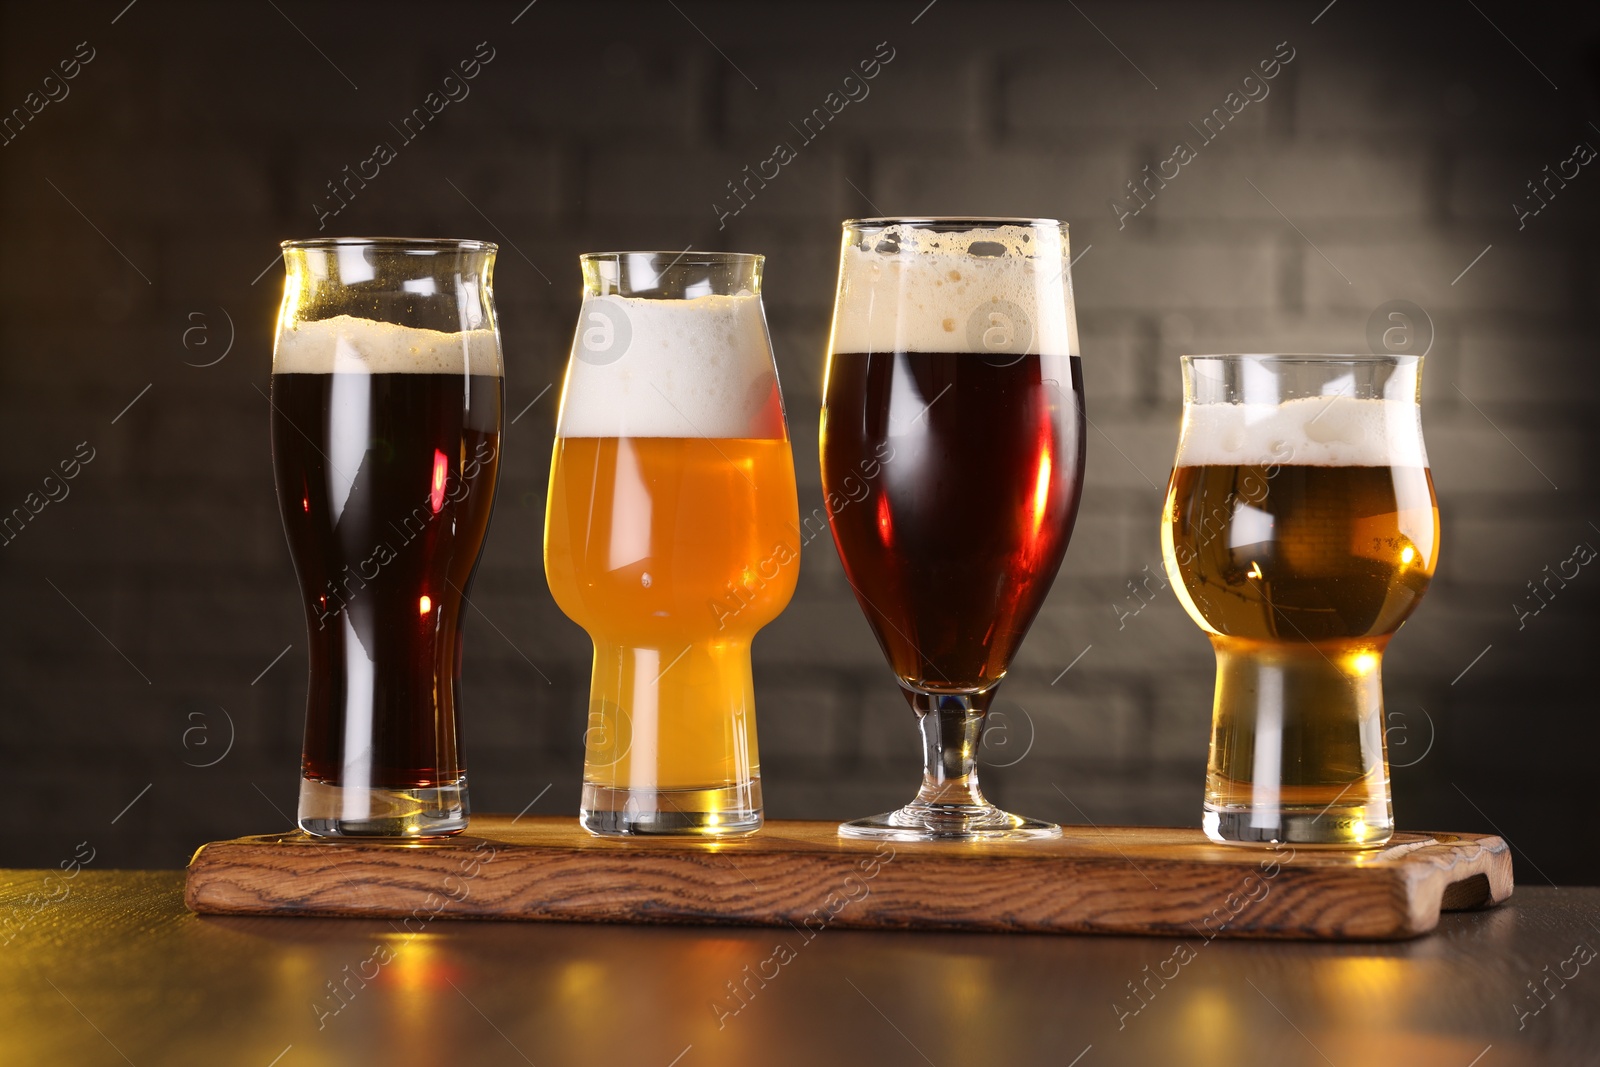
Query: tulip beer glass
[(671, 534), (952, 460), (1300, 531)]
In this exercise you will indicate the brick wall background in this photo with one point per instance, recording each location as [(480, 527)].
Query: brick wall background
[(141, 212)]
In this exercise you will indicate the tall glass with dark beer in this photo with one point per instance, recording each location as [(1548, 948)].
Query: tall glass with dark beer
[(386, 416), (1300, 532), (952, 460), (671, 534)]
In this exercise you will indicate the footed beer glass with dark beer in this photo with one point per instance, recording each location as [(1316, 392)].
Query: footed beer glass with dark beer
[(952, 461), (386, 413), (1300, 532)]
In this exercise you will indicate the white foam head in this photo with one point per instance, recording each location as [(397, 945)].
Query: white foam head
[(700, 367), (1311, 431), (345, 344), (940, 294)]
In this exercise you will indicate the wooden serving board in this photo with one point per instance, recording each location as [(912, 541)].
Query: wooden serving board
[(1111, 880)]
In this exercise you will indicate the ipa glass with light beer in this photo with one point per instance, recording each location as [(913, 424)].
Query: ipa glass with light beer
[(386, 415), (1300, 531), (952, 461), (671, 534)]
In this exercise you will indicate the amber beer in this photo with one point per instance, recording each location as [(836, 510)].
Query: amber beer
[(671, 537), (711, 560), (1300, 563), (967, 505), (952, 452)]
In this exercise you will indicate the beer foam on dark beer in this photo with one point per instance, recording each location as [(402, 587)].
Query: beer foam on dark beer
[(345, 344), (1312, 431), (700, 367), (940, 297)]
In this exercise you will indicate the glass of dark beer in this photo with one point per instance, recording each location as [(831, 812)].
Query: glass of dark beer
[(952, 462), (1300, 532), (386, 414)]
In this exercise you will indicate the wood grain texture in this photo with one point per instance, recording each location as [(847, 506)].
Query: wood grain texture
[(1114, 880)]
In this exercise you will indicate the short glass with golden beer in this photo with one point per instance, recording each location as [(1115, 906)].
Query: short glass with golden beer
[(1300, 531), (671, 534)]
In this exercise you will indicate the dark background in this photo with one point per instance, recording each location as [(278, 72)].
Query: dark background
[(140, 217)]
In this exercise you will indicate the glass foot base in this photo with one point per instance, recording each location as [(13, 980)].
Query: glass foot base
[(336, 811), (608, 811), (1341, 827), (948, 822)]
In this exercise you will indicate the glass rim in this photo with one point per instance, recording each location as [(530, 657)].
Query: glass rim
[(971, 222), (696, 259), (405, 244), (1305, 357)]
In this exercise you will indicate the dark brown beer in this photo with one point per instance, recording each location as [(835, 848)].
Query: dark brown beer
[(952, 482), (385, 549)]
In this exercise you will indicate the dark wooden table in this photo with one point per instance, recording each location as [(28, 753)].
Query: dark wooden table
[(117, 972)]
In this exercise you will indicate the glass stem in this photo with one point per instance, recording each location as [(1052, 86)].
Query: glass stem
[(952, 727)]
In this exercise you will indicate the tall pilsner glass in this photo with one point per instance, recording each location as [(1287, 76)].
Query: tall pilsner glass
[(952, 460), (1300, 531), (671, 534), (386, 412)]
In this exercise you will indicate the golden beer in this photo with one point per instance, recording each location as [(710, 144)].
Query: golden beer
[(672, 534), (1301, 575), (664, 550), (1300, 560)]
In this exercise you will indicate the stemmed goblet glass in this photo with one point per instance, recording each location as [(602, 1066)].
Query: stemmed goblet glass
[(952, 460)]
